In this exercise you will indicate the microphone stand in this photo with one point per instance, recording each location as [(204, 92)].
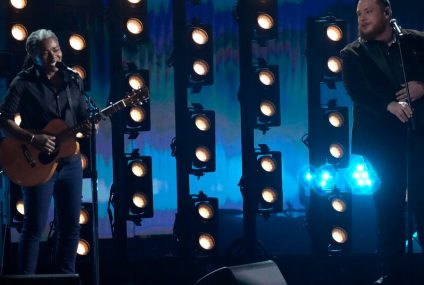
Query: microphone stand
[(409, 140), (93, 110)]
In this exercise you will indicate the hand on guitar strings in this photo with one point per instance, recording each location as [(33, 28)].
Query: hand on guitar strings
[(44, 143)]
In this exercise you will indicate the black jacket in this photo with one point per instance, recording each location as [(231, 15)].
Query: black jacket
[(372, 85)]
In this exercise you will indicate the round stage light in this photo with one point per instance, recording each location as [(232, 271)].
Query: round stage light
[(83, 247), (138, 168), (84, 217), (202, 123), (77, 42), (200, 67), (266, 77), (134, 26), (267, 163), (206, 241), (269, 195), (135, 81), (19, 32), (334, 33), (267, 108), (203, 154), (199, 36), (140, 200), (206, 211), (265, 21)]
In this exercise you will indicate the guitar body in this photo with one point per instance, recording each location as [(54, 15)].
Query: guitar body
[(25, 165)]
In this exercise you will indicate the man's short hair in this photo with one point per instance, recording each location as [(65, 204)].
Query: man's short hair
[(36, 37), (384, 3)]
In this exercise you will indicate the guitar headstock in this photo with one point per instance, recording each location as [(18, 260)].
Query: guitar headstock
[(137, 96)]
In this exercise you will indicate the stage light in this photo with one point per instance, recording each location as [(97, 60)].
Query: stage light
[(135, 22), (361, 176), (339, 235), (202, 142), (265, 21), (334, 33), (200, 55), (86, 232), (134, 1), (266, 25), (200, 67), (267, 88), (77, 42), (17, 119), (206, 241), (201, 224), (199, 36), (140, 200), (83, 247), (80, 70), (137, 118), (134, 26), (19, 32), (336, 119), (269, 195), (76, 54), (268, 180), (138, 168), (20, 207), (338, 205), (330, 142), (84, 162), (206, 211), (266, 77), (334, 64), (336, 150), (18, 4), (136, 81), (139, 185), (325, 39), (202, 122), (84, 217), (267, 163)]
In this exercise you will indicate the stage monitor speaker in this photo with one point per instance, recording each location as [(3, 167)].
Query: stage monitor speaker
[(41, 279), (259, 273)]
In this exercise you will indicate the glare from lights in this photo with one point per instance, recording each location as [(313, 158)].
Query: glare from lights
[(336, 119), (84, 162), (79, 135), (134, 1), (17, 119), (19, 32), (200, 67), (139, 168), (338, 205), (339, 235), (77, 42), (203, 154), (140, 200), (80, 70), (20, 207), (18, 4), (137, 114), (336, 150), (334, 64), (206, 241), (83, 247), (206, 211), (268, 163), (269, 195), (265, 21), (334, 33), (136, 81), (202, 122), (134, 26), (267, 108), (266, 77), (84, 217), (199, 36)]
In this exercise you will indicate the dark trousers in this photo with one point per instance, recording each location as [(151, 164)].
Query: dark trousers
[(66, 188), (390, 164)]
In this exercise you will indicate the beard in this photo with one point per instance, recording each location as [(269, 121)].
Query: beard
[(372, 34)]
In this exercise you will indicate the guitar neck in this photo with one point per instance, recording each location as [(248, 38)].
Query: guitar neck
[(140, 96)]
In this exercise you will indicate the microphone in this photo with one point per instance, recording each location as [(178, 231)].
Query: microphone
[(396, 28), (60, 65)]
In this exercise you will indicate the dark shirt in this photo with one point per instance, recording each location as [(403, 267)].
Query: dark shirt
[(33, 96)]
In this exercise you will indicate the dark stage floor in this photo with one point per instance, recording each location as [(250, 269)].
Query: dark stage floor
[(152, 261)]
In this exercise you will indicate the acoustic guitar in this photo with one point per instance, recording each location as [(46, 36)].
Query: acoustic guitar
[(27, 166)]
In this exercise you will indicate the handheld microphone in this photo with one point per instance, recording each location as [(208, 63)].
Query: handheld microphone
[(396, 28), (60, 65)]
